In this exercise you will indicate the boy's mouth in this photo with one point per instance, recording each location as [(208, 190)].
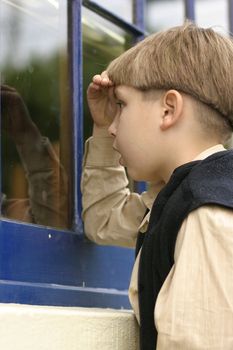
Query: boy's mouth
[(121, 160), (115, 149)]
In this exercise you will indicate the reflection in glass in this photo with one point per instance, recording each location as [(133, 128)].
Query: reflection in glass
[(102, 42), (121, 8), (35, 112)]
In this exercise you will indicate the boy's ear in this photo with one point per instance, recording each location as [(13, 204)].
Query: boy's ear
[(172, 109)]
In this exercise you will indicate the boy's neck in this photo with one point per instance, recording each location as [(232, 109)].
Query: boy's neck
[(190, 154)]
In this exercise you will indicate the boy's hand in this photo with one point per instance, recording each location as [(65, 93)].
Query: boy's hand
[(101, 100), (16, 120)]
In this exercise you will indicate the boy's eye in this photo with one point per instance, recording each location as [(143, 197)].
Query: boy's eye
[(120, 104)]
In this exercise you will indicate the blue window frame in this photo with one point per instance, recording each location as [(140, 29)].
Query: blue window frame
[(189, 9), (230, 8)]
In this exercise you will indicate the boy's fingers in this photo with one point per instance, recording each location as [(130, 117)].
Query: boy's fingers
[(94, 86), (105, 78), (105, 82), (96, 79), (102, 79), (93, 90), (104, 74)]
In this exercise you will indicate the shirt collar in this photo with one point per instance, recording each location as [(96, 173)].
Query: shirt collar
[(209, 151)]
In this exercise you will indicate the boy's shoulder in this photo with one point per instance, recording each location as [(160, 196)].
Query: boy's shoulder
[(194, 185), (211, 180)]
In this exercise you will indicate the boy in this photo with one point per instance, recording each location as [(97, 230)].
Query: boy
[(164, 110)]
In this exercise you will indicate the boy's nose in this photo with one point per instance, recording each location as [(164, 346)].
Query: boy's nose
[(113, 128)]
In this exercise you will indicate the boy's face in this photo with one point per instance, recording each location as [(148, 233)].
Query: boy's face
[(137, 133)]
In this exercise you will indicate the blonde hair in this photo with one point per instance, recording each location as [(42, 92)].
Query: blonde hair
[(193, 60)]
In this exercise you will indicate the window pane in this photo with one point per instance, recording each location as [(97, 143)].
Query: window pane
[(35, 112), (163, 14), (217, 14), (122, 8), (102, 42)]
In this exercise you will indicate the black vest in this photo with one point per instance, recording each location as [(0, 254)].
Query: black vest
[(191, 185)]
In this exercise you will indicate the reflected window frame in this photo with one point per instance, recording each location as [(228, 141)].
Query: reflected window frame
[(136, 16)]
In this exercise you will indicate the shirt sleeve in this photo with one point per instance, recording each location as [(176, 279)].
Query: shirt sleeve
[(111, 213), (48, 185), (194, 309)]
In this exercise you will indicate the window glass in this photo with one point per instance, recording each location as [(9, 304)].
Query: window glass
[(35, 112), (217, 14), (163, 14), (102, 42), (122, 8)]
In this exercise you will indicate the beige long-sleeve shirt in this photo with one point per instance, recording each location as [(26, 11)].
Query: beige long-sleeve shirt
[(47, 183), (194, 309)]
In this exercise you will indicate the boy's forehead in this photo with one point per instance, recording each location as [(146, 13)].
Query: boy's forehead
[(122, 90)]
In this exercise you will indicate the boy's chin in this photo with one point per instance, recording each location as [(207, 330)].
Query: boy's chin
[(136, 176), (139, 177), (121, 162)]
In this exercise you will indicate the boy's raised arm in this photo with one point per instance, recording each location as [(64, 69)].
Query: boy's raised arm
[(111, 213)]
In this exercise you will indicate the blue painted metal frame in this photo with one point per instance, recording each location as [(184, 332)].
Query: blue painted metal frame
[(190, 9), (139, 21), (139, 14), (45, 266), (77, 89), (0, 157), (49, 267), (230, 11)]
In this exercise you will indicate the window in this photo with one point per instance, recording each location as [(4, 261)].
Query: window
[(36, 115), (46, 62)]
